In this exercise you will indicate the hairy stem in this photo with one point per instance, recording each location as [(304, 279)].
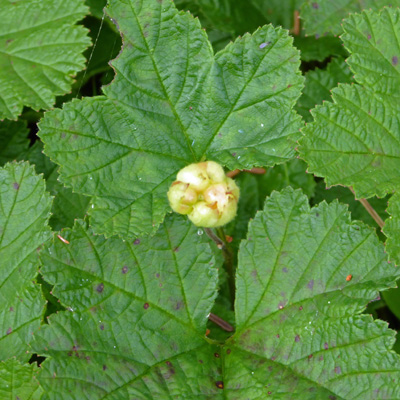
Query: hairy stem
[(220, 244), (370, 210), (296, 23), (255, 171)]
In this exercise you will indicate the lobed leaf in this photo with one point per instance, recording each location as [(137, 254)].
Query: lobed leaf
[(373, 42), (138, 312), (24, 213), (355, 140), (172, 103), (298, 332), (39, 53)]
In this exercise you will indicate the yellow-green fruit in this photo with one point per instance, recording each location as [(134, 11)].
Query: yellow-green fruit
[(181, 197), (203, 215), (205, 194)]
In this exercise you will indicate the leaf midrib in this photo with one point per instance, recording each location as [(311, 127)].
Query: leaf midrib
[(150, 55)]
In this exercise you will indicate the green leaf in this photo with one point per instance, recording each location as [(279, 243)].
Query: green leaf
[(24, 212), (355, 140), (298, 332), (18, 381), (172, 103), (325, 16), (392, 229), (138, 313), (372, 40), (13, 140), (67, 205), (40, 50), (318, 85)]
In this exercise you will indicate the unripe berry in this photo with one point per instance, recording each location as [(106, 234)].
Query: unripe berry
[(182, 197), (205, 194)]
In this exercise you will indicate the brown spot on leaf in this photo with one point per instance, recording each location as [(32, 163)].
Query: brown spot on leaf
[(285, 270), (297, 338), (146, 306), (124, 269), (100, 287), (9, 330), (102, 327), (137, 241), (310, 284), (326, 346), (219, 384), (395, 60), (15, 185), (338, 370), (216, 355), (179, 304), (11, 309), (104, 367), (315, 5)]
